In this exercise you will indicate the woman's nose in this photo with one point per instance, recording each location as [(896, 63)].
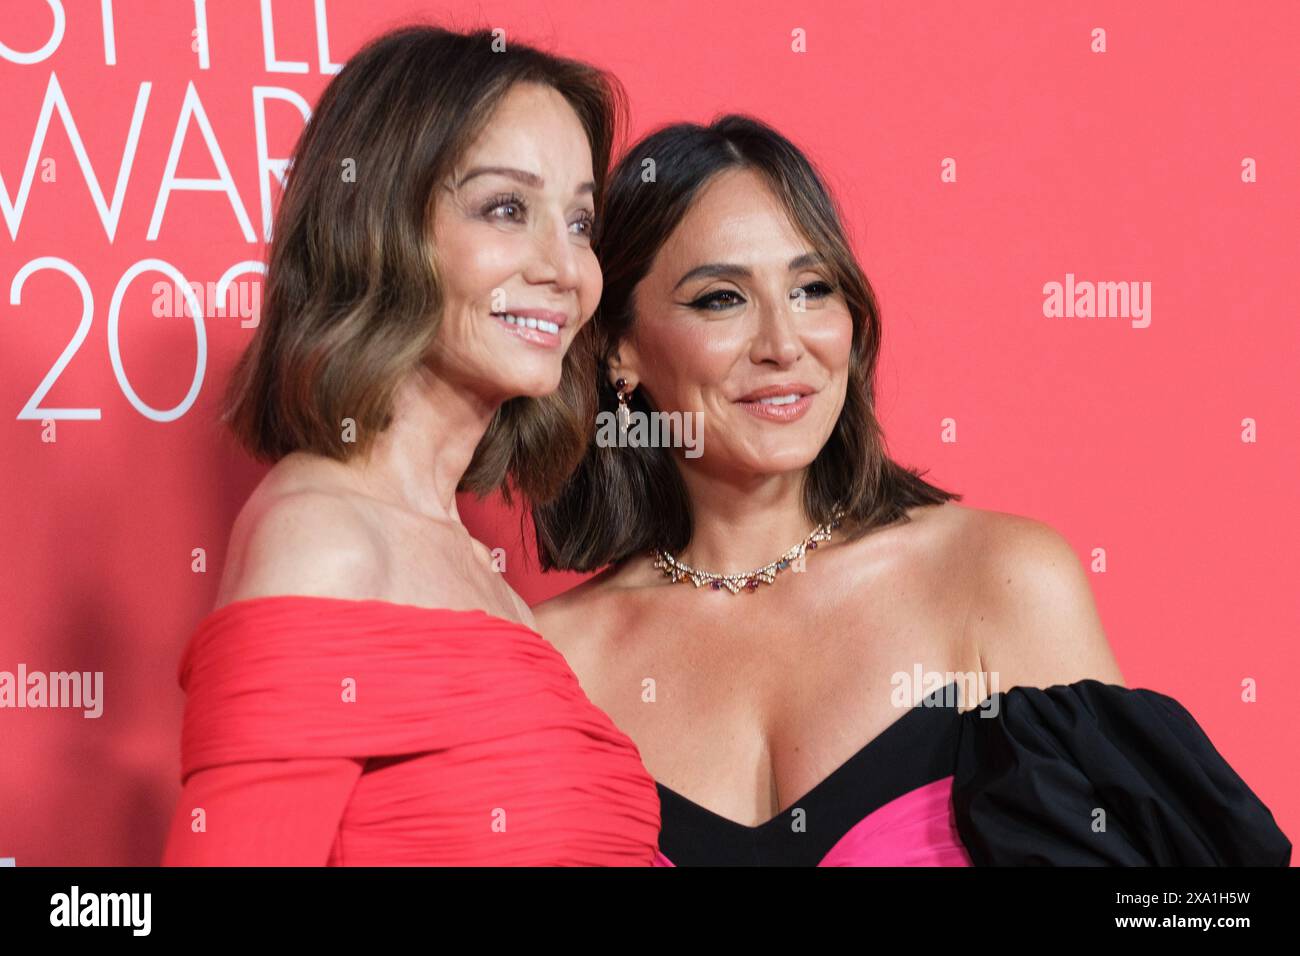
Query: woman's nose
[(777, 338), (557, 260)]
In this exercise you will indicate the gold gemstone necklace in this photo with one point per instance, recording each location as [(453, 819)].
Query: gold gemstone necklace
[(748, 580)]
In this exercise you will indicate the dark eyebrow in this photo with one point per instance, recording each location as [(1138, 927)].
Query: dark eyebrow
[(806, 260), (726, 270), (714, 270), (522, 175)]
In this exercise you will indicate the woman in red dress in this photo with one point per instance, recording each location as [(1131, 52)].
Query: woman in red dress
[(369, 690)]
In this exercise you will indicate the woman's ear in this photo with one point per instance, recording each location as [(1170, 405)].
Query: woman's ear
[(622, 364)]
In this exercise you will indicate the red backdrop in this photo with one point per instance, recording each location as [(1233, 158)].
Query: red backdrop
[(980, 151)]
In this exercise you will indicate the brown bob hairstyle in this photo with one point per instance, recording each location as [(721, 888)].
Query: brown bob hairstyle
[(353, 296), (624, 500)]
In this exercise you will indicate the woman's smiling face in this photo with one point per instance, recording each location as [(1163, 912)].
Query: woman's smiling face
[(736, 303), (512, 232)]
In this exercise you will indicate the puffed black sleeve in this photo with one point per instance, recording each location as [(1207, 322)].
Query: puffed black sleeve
[(1032, 773)]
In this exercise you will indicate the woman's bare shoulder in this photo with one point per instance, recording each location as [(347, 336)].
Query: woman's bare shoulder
[(296, 536), (571, 618), (1032, 613)]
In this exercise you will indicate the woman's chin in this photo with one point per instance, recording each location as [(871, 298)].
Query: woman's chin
[(777, 459), (537, 385)]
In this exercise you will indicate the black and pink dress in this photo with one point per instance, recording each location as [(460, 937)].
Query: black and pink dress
[(1082, 774)]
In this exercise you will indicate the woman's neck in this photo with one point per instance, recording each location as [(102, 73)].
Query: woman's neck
[(744, 524), (419, 460)]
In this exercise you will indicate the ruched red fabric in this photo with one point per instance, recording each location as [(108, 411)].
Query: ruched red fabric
[(362, 732)]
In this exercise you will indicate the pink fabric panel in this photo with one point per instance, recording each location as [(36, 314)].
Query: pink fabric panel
[(916, 829)]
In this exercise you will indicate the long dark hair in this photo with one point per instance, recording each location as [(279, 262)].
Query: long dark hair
[(353, 294), (624, 500)]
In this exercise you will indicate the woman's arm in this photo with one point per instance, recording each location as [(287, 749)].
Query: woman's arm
[(265, 813)]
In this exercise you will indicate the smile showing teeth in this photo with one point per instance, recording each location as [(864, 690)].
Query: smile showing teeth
[(540, 324), (779, 400)]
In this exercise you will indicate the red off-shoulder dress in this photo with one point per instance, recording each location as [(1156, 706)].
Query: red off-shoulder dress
[(328, 731)]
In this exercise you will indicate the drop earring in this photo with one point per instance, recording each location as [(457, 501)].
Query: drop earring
[(623, 414)]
